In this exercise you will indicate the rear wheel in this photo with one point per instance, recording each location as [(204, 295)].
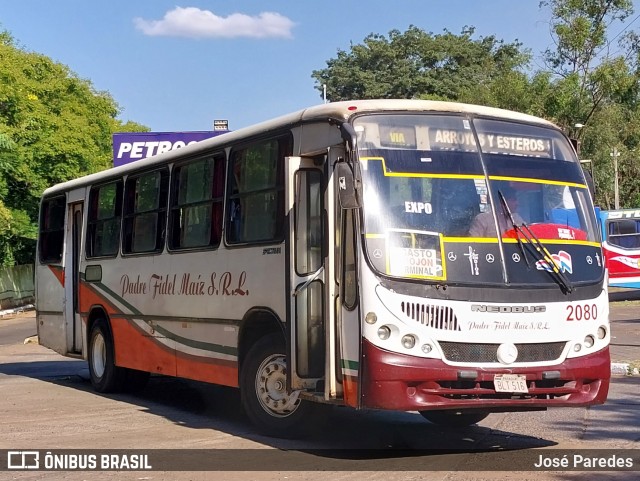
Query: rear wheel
[(453, 418), (105, 375), (263, 389)]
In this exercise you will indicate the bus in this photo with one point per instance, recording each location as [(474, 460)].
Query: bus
[(621, 246), (325, 257)]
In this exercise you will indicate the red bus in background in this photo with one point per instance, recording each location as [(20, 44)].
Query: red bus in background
[(621, 246)]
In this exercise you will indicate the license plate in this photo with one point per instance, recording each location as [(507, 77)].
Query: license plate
[(510, 383)]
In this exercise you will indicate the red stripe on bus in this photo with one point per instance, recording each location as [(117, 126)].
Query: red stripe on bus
[(58, 272)]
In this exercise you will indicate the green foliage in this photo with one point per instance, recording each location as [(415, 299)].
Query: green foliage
[(54, 127), (588, 80), (416, 64)]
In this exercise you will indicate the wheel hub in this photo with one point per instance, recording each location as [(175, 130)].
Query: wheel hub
[(99, 355), (271, 387)]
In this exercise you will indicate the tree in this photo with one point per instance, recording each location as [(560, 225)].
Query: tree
[(54, 127), (596, 84), (416, 64), (589, 79)]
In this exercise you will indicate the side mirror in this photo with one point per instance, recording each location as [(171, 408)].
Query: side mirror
[(348, 186)]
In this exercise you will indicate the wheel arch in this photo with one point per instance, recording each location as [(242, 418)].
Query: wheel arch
[(257, 323), (96, 312)]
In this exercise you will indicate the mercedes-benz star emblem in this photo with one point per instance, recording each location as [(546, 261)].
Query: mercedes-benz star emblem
[(507, 353)]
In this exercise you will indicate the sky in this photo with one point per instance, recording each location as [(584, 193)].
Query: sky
[(178, 65)]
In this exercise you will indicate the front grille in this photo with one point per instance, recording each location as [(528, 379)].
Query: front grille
[(437, 317), (467, 352)]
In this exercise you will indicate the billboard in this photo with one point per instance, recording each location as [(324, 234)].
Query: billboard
[(131, 146)]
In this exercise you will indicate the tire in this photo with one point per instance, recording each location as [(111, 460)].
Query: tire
[(454, 419), (105, 375), (264, 395)]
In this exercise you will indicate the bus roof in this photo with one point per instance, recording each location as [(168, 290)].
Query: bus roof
[(333, 110)]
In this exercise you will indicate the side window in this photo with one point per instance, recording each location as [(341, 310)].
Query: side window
[(196, 204), (51, 235), (349, 285), (104, 220), (145, 201), (255, 203), (624, 233)]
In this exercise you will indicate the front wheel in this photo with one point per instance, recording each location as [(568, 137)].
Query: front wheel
[(263, 390), (453, 418), (105, 375)]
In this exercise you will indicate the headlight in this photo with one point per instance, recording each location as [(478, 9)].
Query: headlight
[(589, 341), (384, 332), (408, 341)]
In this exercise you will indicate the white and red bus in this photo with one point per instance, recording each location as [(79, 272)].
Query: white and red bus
[(621, 246), (328, 256)]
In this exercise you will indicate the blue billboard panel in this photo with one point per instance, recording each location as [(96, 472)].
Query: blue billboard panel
[(131, 146)]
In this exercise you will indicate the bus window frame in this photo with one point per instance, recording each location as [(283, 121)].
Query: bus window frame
[(217, 157), (89, 236), (41, 230), (161, 210), (285, 148), (609, 222)]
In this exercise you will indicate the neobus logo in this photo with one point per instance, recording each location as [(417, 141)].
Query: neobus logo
[(507, 309)]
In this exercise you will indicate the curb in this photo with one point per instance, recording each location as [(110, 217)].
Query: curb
[(624, 369), (15, 311)]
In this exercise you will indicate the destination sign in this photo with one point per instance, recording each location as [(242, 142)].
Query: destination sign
[(405, 137), (443, 139)]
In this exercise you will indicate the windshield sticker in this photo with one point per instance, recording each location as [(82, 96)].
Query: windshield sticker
[(566, 234), (405, 261), (414, 253), (418, 207), (473, 261), (562, 260)]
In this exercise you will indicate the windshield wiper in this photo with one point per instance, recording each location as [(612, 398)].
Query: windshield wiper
[(506, 208), (538, 248)]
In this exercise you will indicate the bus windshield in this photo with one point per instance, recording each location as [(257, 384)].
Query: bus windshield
[(435, 194)]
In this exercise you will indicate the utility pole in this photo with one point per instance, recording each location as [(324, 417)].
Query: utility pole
[(616, 195)]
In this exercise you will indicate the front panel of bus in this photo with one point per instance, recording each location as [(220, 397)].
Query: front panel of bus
[(481, 272)]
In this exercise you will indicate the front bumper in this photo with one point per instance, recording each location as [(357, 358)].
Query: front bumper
[(408, 383)]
